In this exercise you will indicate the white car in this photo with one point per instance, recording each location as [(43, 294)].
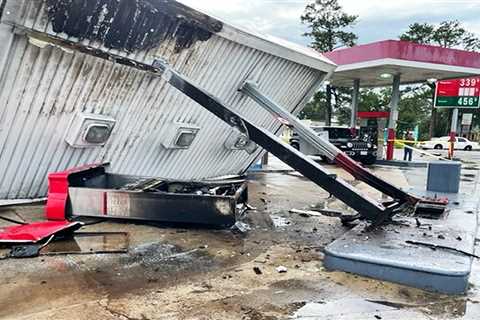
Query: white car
[(443, 143)]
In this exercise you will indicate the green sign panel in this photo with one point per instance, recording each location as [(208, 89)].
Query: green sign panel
[(457, 102)]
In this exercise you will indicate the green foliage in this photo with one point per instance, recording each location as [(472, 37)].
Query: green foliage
[(316, 109), (415, 109), (448, 34), (419, 33), (327, 22)]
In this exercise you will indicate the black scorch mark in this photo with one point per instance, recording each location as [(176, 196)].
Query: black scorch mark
[(131, 25)]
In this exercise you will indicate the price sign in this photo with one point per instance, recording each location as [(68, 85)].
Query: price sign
[(458, 93)]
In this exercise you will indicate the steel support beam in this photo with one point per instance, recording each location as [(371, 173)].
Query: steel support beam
[(365, 206), (355, 102), (453, 134), (325, 147), (392, 127)]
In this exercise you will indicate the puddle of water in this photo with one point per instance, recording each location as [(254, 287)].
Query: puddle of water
[(340, 307), (83, 243)]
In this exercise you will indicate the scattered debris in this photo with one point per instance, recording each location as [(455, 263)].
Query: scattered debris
[(306, 213), (282, 269), (241, 227), (421, 225), (28, 251), (257, 270), (36, 232), (330, 212), (435, 247), (78, 244), (279, 221)]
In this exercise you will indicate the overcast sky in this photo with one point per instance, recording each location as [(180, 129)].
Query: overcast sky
[(378, 19)]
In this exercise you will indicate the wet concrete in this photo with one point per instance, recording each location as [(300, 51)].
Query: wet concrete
[(190, 273)]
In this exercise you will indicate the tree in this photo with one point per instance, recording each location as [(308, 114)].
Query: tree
[(327, 23), (419, 33), (370, 100), (315, 110), (448, 34)]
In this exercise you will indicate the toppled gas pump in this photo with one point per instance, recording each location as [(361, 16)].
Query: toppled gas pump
[(92, 192)]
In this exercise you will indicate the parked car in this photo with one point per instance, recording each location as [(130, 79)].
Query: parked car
[(443, 143), (361, 150)]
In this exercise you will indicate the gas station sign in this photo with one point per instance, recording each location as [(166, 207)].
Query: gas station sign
[(458, 93)]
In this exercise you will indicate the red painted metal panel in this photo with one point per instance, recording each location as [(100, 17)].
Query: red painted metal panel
[(374, 115), (391, 144), (404, 50), (58, 192), (35, 232)]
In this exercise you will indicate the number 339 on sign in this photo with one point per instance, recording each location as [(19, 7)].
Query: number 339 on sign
[(469, 82)]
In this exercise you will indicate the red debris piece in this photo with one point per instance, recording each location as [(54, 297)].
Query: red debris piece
[(58, 191), (35, 232)]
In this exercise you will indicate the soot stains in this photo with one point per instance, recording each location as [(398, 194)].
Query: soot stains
[(2, 7), (131, 25)]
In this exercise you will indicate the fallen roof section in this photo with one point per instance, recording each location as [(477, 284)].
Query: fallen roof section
[(67, 63)]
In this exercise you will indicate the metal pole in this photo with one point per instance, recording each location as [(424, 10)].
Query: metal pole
[(393, 117), (326, 148), (355, 101), (453, 133), (365, 206)]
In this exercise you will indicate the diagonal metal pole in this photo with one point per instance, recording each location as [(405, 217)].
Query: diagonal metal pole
[(326, 148), (365, 206)]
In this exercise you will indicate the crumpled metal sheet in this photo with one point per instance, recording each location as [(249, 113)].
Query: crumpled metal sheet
[(35, 232), (47, 86)]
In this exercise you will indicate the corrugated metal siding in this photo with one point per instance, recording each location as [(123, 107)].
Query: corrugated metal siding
[(42, 89)]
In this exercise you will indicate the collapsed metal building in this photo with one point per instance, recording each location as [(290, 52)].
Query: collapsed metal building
[(66, 102)]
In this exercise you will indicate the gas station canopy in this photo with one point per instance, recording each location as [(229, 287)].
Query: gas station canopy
[(375, 64)]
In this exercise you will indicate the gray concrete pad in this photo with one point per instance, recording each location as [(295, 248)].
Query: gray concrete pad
[(386, 253)]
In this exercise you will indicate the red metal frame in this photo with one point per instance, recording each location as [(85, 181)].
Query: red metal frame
[(373, 115), (58, 192), (391, 144)]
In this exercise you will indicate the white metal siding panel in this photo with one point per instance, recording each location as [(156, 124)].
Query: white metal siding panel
[(42, 89)]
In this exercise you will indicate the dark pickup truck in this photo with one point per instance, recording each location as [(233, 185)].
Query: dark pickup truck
[(362, 150)]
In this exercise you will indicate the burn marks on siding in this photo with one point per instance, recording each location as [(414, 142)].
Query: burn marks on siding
[(2, 7), (131, 25)]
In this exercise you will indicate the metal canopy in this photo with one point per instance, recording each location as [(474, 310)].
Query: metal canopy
[(414, 62)]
